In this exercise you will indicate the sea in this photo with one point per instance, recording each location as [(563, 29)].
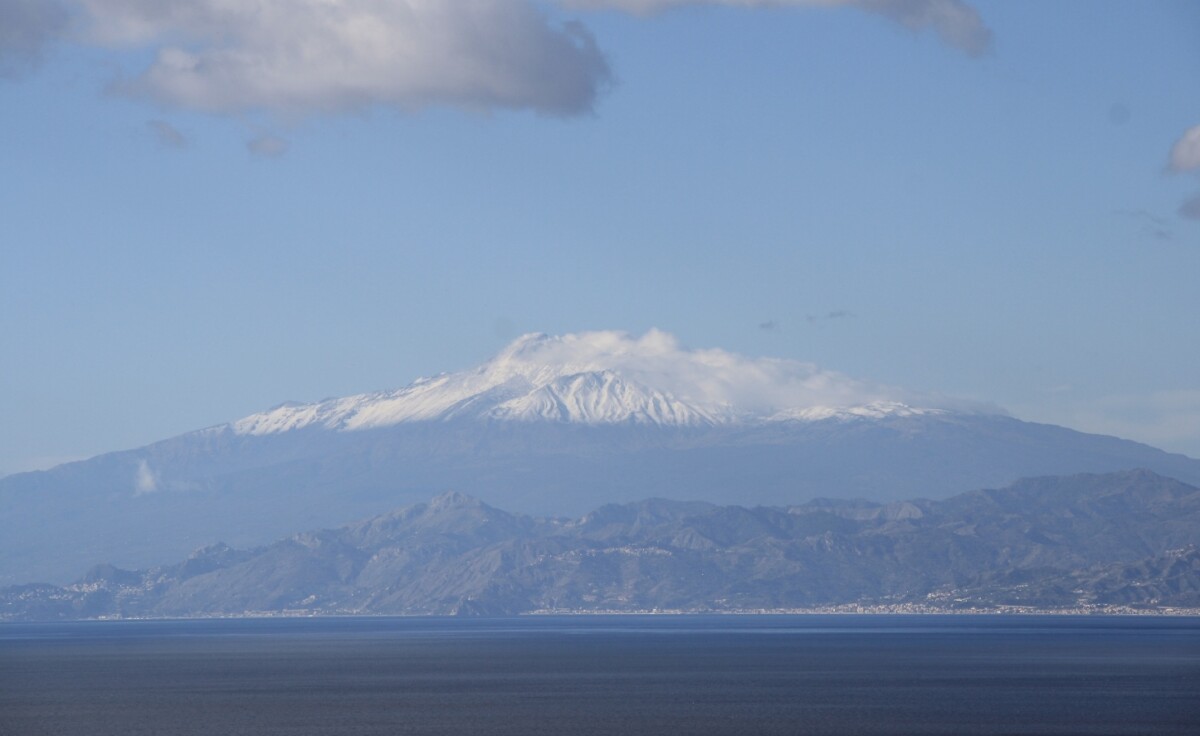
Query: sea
[(567, 675)]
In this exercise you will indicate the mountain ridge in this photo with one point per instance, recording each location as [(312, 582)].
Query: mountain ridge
[(1066, 543)]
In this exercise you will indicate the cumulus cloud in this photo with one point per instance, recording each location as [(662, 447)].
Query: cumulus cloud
[(26, 27), (299, 57), (268, 146), (293, 58), (1185, 154), (955, 22), (167, 134)]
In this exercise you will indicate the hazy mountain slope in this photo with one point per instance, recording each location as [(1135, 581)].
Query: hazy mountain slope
[(314, 478), (549, 426), (1126, 538)]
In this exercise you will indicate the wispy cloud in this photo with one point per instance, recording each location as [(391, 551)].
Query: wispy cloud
[(1184, 157), (711, 377), (1185, 154), (1190, 208), (268, 146), (145, 480), (26, 27), (835, 314), (1152, 225), (955, 22), (167, 134)]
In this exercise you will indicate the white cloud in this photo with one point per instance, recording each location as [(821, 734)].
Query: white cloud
[(1185, 154), (145, 480), (299, 57), (610, 376), (26, 27), (712, 377), (293, 58), (955, 22)]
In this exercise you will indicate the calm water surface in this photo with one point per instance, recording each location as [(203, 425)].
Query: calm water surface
[(604, 675)]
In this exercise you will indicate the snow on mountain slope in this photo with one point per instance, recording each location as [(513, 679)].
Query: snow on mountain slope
[(606, 378)]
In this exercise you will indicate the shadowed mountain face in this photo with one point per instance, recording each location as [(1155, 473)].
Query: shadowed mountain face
[(550, 426), (1126, 538)]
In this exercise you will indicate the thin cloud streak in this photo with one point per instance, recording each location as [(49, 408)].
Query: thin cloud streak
[(1152, 225), (167, 134), (267, 146), (835, 314)]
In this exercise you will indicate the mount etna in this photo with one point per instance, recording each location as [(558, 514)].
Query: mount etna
[(551, 426)]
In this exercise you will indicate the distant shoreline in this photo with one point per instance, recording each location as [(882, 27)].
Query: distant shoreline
[(892, 610), (849, 611)]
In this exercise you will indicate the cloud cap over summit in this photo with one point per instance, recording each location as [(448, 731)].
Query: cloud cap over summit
[(608, 377)]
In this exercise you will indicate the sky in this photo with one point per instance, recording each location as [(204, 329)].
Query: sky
[(211, 207)]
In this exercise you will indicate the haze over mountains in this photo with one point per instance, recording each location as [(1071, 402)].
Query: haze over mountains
[(1124, 539), (550, 426)]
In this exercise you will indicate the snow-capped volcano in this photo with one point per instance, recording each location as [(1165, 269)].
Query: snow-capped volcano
[(550, 425), (605, 378)]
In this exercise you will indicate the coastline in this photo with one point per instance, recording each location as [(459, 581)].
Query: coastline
[(850, 610)]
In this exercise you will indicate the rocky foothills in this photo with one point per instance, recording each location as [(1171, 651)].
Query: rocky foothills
[(1066, 543)]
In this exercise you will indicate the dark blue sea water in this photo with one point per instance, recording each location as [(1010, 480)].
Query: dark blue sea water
[(604, 675)]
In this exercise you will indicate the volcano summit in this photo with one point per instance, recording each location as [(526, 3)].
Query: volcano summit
[(603, 378)]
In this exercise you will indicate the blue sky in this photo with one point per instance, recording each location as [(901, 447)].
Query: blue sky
[(205, 215)]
